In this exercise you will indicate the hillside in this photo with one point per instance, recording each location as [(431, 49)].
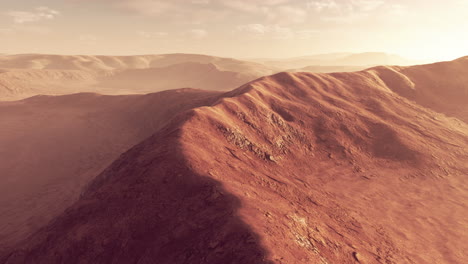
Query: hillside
[(290, 168), (20, 84), (53, 146), (439, 86), (26, 75)]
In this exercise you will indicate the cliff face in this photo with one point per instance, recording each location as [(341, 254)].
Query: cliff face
[(291, 168)]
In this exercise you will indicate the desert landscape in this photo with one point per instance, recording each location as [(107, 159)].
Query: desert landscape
[(26, 75), (263, 154)]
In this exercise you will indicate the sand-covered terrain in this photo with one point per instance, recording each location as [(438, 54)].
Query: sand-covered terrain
[(360, 167), (52, 146), (26, 75)]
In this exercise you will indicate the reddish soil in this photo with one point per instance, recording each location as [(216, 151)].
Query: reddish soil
[(52, 146), (292, 168)]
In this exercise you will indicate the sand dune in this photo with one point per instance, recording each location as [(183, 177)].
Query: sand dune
[(52, 146), (27, 75), (291, 168)]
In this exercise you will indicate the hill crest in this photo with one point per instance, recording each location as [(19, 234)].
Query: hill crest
[(294, 168)]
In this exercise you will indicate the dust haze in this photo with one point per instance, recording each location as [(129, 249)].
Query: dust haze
[(262, 154)]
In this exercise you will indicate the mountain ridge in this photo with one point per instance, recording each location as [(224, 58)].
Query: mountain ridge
[(365, 59), (78, 142), (289, 168)]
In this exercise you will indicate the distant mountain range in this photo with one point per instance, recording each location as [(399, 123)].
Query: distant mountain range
[(27, 75), (366, 59)]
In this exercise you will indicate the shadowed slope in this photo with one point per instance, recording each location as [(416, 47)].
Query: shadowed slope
[(52, 146), (325, 168), (440, 86), (163, 210)]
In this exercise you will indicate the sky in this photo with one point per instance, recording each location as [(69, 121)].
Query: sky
[(429, 30)]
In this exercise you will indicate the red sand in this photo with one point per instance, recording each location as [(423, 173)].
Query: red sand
[(291, 168)]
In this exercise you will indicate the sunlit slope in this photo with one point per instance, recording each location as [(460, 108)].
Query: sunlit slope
[(291, 168)]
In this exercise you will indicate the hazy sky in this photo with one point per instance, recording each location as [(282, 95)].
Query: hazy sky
[(418, 29)]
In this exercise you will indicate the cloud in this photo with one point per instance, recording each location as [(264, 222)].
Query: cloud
[(253, 6), (323, 5), (87, 38), (201, 2), (202, 11), (279, 32), (146, 7), (198, 33), (25, 29), (5, 31), (287, 15), (306, 34), (344, 6), (152, 35), (174, 11), (277, 11), (347, 11), (40, 13), (260, 31), (369, 5), (255, 29)]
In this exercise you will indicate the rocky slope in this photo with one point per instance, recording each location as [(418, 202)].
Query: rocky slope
[(357, 167), (52, 146)]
